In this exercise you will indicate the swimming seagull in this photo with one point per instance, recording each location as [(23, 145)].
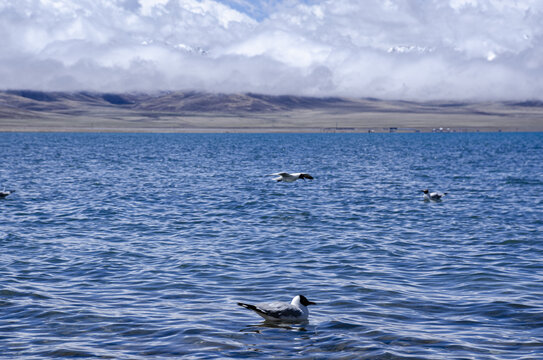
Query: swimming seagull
[(296, 311), (435, 196), (5, 193), (286, 177)]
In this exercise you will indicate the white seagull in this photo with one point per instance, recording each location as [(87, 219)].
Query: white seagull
[(5, 193), (286, 177), (435, 196), (296, 311)]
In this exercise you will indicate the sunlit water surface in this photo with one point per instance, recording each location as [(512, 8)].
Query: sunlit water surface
[(133, 246)]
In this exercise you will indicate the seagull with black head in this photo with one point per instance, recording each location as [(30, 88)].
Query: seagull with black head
[(432, 196), (296, 311), (286, 177)]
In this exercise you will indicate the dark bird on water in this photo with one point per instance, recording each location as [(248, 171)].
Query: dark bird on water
[(4, 193)]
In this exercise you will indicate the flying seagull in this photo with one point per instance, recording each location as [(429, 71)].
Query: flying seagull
[(435, 196), (5, 193), (286, 177), (296, 311)]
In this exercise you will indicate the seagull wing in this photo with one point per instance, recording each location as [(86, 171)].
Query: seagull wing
[(436, 195), (275, 310), (281, 310)]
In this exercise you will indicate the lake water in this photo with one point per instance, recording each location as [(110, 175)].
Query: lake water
[(138, 246)]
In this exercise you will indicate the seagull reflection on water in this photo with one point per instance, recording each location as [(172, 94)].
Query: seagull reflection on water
[(273, 325)]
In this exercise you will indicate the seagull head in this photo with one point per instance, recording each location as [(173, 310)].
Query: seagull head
[(302, 300), (425, 191)]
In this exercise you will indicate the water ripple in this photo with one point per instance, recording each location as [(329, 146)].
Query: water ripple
[(139, 246)]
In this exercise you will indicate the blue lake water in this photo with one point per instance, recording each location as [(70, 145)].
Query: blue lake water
[(138, 246)]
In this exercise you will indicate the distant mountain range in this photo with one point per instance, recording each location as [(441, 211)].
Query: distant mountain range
[(34, 106), (167, 102), (172, 102)]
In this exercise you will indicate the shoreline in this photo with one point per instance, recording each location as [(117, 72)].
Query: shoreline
[(305, 122), (297, 121), (262, 130)]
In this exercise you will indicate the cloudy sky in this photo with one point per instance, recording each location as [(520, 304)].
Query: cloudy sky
[(408, 49)]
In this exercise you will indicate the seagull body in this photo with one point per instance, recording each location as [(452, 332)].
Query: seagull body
[(434, 196), (296, 311), (286, 177), (5, 193)]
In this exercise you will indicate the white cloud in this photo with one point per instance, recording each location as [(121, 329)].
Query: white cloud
[(147, 6), (463, 49), (291, 49)]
